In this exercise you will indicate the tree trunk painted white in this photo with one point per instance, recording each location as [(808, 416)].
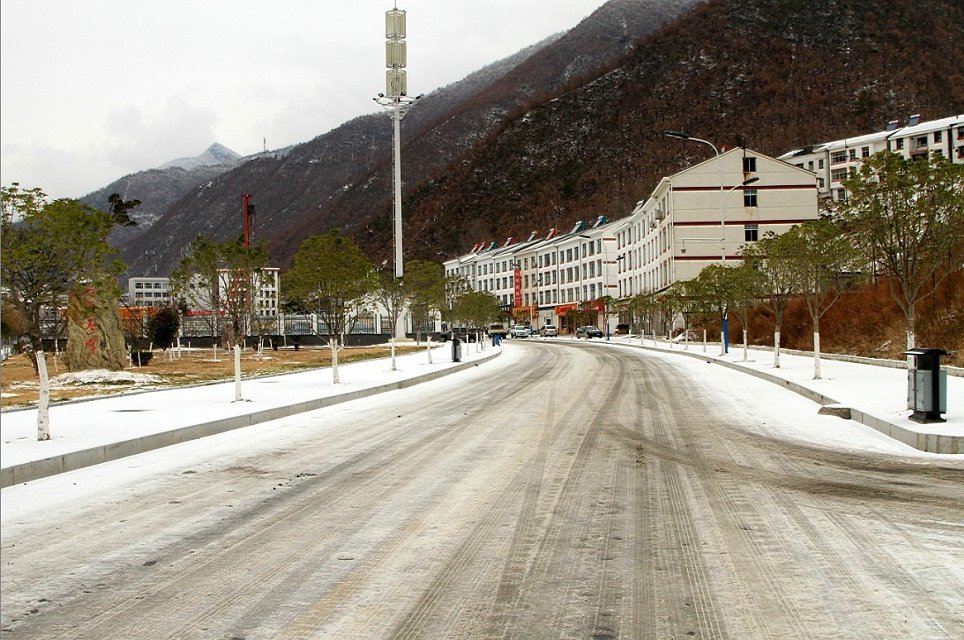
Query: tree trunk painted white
[(43, 402), (237, 373), (216, 351), (428, 349), (745, 346), (334, 360), (911, 343), (392, 341), (776, 349), (816, 356), (704, 340)]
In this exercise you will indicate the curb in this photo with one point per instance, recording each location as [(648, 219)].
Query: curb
[(37, 469), (929, 442)]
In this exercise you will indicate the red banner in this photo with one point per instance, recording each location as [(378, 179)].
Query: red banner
[(517, 292)]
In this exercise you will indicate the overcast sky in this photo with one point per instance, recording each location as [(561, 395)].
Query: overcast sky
[(92, 90)]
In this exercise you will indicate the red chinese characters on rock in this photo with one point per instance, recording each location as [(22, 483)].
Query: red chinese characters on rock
[(91, 342)]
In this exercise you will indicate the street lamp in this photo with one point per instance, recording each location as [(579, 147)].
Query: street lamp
[(682, 135), (397, 101)]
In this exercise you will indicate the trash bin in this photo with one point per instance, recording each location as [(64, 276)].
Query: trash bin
[(926, 385), (456, 350)]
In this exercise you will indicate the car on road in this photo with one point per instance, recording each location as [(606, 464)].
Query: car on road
[(588, 331), (519, 331), (549, 330)]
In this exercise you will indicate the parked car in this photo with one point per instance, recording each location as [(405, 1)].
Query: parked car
[(687, 336), (519, 331), (588, 331), (549, 330)]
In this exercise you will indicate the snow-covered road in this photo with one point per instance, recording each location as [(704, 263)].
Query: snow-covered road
[(561, 490)]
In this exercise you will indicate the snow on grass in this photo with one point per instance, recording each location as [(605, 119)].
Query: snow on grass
[(103, 377)]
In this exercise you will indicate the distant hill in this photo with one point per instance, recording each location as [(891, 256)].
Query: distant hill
[(159, 188), (214, 155)]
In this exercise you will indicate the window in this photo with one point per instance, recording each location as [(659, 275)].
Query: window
[(820, 163), (837, 157), (852, 155), (749, 198), (836, 175), (751, 232), (900, 143), (865, 152), (749, 165), (960, 153), (938, 137)]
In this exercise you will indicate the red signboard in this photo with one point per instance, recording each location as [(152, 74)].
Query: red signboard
[(517, 292)]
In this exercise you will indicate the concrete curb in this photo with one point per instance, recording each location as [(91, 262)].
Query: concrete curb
[(37, 469), (929, 442)]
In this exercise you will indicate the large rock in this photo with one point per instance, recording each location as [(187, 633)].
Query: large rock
[(95, 339)]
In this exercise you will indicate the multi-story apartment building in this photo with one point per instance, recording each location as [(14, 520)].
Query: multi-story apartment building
[(699, 216), (149, 292), (833, 161), (705, 214)]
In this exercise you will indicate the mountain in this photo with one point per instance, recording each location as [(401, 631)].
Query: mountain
[(772, 76), (214, 155), (159, 188), (571, 128), (343, 178)]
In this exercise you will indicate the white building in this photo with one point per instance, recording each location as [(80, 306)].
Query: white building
[(696, 218), (833, 161), (149, 292), (540, 280), (699, 216)]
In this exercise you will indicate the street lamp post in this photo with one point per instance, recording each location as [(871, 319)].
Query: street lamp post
[(683, 135)]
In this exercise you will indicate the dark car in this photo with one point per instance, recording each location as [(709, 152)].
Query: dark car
[(588, 331)]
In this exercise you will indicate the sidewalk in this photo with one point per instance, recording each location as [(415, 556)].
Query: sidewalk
[(89, 432), (875, 396)]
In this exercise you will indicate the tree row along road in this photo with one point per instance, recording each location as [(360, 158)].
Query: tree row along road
[(561, 491)]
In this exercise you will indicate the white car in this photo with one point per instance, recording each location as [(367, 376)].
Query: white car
[(519, 331), (549, 330)]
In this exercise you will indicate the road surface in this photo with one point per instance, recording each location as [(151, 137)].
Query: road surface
[(561, 491)]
